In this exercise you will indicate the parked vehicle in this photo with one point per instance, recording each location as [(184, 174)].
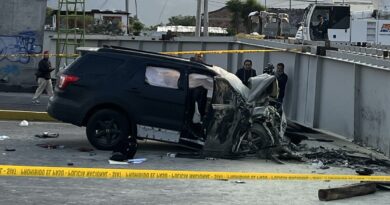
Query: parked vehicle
[(342, 25), (117, 93)]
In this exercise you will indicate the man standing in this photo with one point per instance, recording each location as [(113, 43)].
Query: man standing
[(282, 81), (320, 31), (44, 78), (246, 72), (197, 58)]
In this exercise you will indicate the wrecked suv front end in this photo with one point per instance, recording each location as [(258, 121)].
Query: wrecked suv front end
[(244, 119)]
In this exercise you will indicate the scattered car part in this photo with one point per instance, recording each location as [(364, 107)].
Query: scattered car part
[(47, 135), (365, 171)]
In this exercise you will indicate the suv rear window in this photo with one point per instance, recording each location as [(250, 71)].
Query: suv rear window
[(162, 77), (96, 64)]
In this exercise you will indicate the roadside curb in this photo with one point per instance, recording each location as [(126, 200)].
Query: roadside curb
[(25, 115)]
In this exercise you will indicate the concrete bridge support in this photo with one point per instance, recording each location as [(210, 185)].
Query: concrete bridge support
[(21, 35)]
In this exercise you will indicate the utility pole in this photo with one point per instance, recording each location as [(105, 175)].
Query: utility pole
[(265, 5), (198, 20), (290, 5), (127, 6), (136, 8), (206, 18), (127, 11)]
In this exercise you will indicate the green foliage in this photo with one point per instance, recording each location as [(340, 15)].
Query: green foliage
[(231, 31), (235, 6), (182, 21), (138, 26)]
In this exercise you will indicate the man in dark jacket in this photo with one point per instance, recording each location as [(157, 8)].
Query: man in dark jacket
[(246, 72), (43, 78), (282, 81), (320, 31)]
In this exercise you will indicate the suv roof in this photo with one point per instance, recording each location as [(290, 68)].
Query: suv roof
[(123, 50)]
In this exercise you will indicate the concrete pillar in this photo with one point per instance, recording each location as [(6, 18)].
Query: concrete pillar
[(198, 20), (357, 107), (206, 18), (21, 33)]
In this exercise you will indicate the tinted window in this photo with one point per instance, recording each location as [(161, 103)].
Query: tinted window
[(340, 18), (97, 64)]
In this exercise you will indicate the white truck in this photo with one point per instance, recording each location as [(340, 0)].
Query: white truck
[(342, 25)]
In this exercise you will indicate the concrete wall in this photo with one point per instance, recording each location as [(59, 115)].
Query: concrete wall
[(21, 32), (329, 93)]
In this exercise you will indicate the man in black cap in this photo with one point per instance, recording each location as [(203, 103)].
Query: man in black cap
[(43, 78), (246, 72), (282, 81)]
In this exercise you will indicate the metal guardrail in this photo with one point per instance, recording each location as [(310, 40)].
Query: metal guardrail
[(361, 58)]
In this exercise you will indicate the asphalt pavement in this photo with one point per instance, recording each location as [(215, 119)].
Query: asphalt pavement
[(22, 101)]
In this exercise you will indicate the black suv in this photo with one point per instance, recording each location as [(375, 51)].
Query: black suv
[(118, 93)]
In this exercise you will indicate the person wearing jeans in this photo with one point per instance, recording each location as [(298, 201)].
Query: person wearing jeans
[(43, 78)]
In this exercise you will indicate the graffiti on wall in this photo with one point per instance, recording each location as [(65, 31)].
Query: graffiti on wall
[(7, 71), (19, 48)]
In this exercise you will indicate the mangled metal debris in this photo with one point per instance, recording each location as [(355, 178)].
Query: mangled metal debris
[(345, 158), (244, 119)]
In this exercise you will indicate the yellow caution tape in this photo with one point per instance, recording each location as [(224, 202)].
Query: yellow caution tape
[(68, 172), (220, 52)]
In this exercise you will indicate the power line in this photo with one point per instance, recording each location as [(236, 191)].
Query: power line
[(103, 4), (162, 11)]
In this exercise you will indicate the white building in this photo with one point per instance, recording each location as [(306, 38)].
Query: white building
[(99, 17)]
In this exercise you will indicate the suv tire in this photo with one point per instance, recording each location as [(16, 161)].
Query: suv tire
[(107, 128)]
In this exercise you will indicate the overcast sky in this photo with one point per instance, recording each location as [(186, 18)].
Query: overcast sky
[(152, 12)]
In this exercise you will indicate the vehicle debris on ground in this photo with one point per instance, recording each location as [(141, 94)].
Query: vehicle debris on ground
[(51, 146), (24, 123), (3, 137), (47, 135)]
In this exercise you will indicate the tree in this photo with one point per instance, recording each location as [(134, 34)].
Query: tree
[(182, 21), (138, 26), (235, 6), (240, 11), (135, 25)]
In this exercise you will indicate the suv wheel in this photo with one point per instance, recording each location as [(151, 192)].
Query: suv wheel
[(107, 128)]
